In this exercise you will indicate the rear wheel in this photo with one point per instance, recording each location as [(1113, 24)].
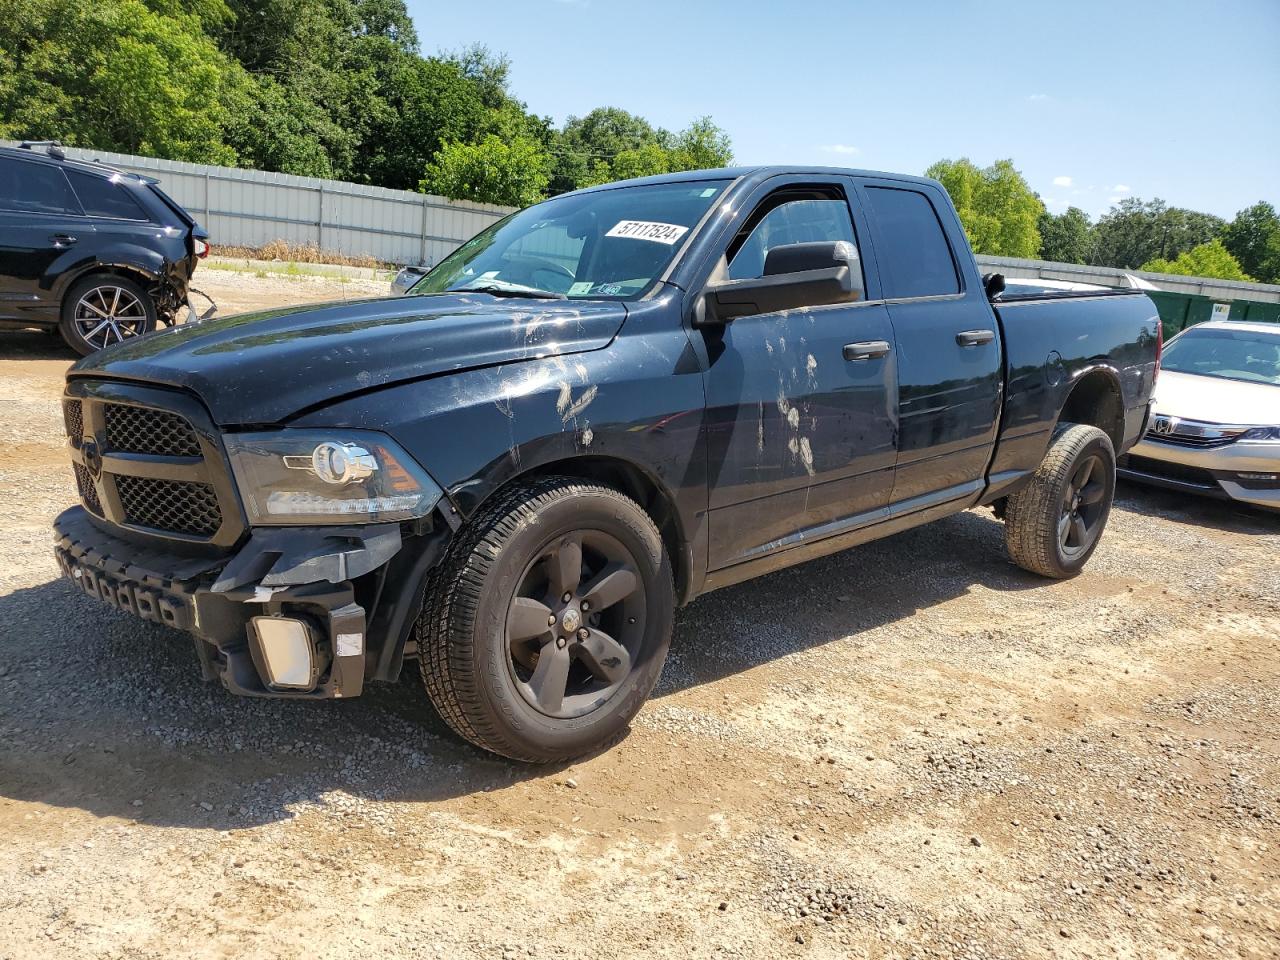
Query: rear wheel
[(1053, 524), (546, 628), (103, 310)]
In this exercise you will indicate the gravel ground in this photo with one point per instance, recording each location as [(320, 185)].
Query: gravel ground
[(913, 749)]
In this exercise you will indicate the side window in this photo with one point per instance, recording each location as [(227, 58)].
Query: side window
[(35, 188), (102, 198), (791, 221), (916, 260)]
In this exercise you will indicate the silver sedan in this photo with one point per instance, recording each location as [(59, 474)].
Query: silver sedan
[(1215, 424)]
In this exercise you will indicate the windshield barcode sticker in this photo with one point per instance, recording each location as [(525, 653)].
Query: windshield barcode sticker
[(667, 233)]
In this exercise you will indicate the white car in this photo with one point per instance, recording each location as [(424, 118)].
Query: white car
[(1215, 423)]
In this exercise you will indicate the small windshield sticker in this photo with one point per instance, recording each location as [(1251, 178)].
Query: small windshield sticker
[(581, 288), (709, 192), (488, 274), (667, 233), (609, 289)]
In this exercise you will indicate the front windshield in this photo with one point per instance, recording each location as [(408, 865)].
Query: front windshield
[(1229, 354), (607, 244)]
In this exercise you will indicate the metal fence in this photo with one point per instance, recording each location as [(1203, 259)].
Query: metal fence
[(249, 208)]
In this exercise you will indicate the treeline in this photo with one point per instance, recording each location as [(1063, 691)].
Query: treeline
[(1003, 216), (325, 88)]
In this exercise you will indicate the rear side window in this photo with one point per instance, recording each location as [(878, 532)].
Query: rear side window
[(916, 260), (102, 198), (35, 188)]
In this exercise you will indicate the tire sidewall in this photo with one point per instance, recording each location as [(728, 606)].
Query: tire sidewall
[(521, 723), (67, 324), (1098, 444)]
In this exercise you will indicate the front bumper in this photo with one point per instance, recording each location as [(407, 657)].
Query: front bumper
[(1215, 472), (358, 589)]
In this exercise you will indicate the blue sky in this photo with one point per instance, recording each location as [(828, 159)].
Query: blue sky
[(1092, 101)]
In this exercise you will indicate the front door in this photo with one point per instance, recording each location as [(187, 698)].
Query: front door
[(801, 404)]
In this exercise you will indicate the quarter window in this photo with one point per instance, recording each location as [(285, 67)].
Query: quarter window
[(35, 188), (793, 221), (916, 259), (101, 197)]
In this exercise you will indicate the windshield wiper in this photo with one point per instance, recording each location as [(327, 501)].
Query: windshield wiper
[(501, 288)]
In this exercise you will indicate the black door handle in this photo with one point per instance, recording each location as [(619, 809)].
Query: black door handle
[(866, 349), (974, 338), (62, 239)]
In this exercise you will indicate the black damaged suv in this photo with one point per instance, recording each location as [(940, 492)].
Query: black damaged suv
[(92, 253)]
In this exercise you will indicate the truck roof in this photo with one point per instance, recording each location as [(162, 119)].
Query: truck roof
[(757, 172)]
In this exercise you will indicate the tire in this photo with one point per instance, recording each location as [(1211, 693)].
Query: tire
[(1054, 523), (507, 574), (103, 309)]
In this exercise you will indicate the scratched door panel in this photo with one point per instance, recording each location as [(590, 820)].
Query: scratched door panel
[(798, 436)]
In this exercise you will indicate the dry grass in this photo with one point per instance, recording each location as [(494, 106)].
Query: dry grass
[(286, 252)]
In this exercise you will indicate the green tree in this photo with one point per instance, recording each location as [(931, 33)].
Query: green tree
[(610, 144), (1135, 231), (1210, 259), (116, 75), (587, 143), (1066, 237), (996, 207), (1253, 238), (513, 173)]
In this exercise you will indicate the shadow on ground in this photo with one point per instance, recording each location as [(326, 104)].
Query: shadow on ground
[(34, 345), (103, 713)]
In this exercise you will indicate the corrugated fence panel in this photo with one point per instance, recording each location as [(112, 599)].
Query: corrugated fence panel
[(249, 208)]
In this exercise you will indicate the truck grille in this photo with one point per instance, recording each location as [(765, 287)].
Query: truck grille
[(88, 492), (141, 466), (176, 505), (73, 416), (144, 430)]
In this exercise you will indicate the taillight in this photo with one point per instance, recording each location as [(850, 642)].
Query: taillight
[(201, 248)]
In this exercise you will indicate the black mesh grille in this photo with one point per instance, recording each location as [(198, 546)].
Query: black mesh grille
[(170, 505), (88, 492), (74, 417), (144, 430)]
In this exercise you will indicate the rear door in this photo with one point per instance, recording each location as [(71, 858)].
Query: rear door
[(41, 229), (948, 344), (802, 403)]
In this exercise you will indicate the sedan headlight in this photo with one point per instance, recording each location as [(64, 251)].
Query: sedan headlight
[(1261, 433), (327, 476)]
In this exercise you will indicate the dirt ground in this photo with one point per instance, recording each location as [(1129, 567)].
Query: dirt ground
[(913, 749)]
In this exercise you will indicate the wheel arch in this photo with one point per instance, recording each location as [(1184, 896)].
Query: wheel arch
[(1096, 399), (642, 487), (126, 270)]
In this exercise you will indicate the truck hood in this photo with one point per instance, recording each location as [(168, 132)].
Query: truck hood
[(261, 368), (1191, 396)]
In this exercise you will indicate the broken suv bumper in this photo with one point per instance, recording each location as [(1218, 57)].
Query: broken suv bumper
[(356, 591)]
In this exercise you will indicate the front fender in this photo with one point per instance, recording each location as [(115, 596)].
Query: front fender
[(638, 401)]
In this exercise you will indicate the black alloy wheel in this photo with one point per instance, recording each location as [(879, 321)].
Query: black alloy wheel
[(573, 623)]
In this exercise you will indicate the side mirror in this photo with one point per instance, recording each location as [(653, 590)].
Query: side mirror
[(993, 283), (795, 275)]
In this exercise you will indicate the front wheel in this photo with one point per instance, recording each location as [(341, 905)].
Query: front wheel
[(546, 627), (1053, 524)]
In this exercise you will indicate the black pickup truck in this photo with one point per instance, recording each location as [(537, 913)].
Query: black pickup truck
[(594, 411)]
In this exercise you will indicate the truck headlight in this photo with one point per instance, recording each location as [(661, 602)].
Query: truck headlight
[(327, 476), (1261, 433)]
